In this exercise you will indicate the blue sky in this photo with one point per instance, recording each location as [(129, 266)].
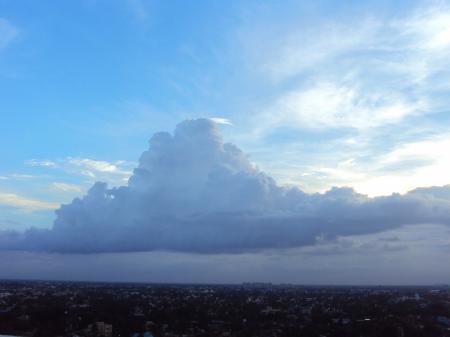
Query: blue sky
[(318, 94)]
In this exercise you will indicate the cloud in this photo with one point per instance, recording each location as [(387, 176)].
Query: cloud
[(19, 176), (429, 28), (192, 192), (418, 163), (362, 71), (356, 84), (14, 200), (304, 48), (113, 172), (98, 165), (66, 187), (219, 120), (22, 176), (8, 33), (43, 163), (328, 105)]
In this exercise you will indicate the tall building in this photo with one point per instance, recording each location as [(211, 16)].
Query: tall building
[(100, 328), (108, 330), (103, 329)]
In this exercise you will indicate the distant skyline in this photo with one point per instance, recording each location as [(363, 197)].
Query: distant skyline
[(316, 95)]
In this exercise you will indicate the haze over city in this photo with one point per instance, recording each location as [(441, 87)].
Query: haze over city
[(225, 142)]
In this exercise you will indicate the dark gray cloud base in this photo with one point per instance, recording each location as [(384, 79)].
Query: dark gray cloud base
[(194, 193)]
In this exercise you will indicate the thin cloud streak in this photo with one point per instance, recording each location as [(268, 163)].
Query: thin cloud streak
[(114, 173), (65, 187), (25, 204)]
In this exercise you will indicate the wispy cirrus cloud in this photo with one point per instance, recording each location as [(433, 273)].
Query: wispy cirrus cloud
[(328, 105), (65, 187), (339, 76), (43, 163), (102, 166), (24, 203), (112, 172), (115, 173), (349, 89), (411, 164), (20, 176)]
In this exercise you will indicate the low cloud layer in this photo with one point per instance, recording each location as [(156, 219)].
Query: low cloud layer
[(192, 192)]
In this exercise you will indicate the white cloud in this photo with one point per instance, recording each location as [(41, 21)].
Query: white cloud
[(328, 105), (43, 163), (428, 28), (434, 155), (367, 72), (95, 165), (66, 187), (112, 172), (219, 120), (353, 86), (22, 176), (303, 49), (25, 204), (407, 166), (19, 176)]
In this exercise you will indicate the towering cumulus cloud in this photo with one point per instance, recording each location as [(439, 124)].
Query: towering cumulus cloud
[(192, 192)]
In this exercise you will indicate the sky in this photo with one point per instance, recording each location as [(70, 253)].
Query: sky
[(225, 141)]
